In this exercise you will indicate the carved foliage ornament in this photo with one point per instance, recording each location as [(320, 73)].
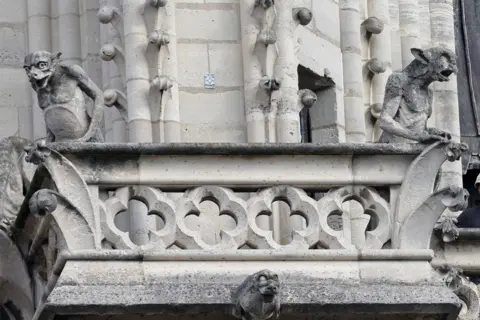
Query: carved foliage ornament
[(467, 291)]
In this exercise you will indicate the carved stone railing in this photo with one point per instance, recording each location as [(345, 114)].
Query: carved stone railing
[(68, 222)]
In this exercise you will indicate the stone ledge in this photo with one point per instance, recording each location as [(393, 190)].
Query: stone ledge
[(184, 287), (303, 299), (236, 148)]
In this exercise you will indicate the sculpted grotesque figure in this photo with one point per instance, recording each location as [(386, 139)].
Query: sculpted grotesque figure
[(257, 298), (60, 89), (408, 98)]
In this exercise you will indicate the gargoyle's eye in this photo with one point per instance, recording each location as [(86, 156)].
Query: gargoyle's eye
[(262, 279), (42, 65)]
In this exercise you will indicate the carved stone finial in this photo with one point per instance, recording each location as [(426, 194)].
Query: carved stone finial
[(267, 37), (452, 276), (447, 228), (376, 66), (455, 198), (162, 83), (308, 98), (409, 88), (303, 15), (257, 298), (42, 202), (37, 153), (269, 84), (373, 25), (105, 14), (455, 150), (159, 38), (157, 3), (117, 99), (107, 52), (265, 3), (68, 118)]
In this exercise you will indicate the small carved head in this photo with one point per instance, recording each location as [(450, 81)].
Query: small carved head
[(267, 283), (441, 62), (40, 66)]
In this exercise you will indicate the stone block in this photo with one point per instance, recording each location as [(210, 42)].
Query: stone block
[(210, 25), (14, 88), (212, 117), (226, 64), (192, 64), (12, 49), (310, 47), (13, 11), (327, 19), (397, 272)]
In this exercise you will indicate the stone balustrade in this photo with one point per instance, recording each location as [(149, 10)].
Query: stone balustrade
[(68, 225)]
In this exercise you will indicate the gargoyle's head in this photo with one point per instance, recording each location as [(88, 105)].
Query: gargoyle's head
[(267, 283), (440, 62), (40, 66)]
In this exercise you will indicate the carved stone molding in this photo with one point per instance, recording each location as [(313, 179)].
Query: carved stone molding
[(300, 204), (157, 203), (373, 205), (66, 219), (228, 203), (416, 231), (420, 179), (69, 210)]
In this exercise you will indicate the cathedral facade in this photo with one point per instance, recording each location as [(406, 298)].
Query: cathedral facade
[(190, 159)]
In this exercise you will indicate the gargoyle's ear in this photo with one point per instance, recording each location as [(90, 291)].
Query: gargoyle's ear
[(27, 61), (56, 57), (420, 55)]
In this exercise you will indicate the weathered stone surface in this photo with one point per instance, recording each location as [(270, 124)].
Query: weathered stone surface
[(15, 176), (60, 89), (408, 101)]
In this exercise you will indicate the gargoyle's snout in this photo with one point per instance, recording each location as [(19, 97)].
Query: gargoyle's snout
[(271, 290)]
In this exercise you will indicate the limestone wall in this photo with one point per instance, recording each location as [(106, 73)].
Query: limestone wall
[(209, 41)]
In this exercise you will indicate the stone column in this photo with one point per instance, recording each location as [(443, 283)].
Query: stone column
[(171, 113), (352, 70), (39, 38), (165, 118), (445, 94), (69, 31), (409, 28), (426, 39), (137, 86), (255, 101), (395, 32), (380, 48)]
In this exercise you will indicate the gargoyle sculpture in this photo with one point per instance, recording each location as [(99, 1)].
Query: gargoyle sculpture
[(60, 88), (408, 99), (257, 298)]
